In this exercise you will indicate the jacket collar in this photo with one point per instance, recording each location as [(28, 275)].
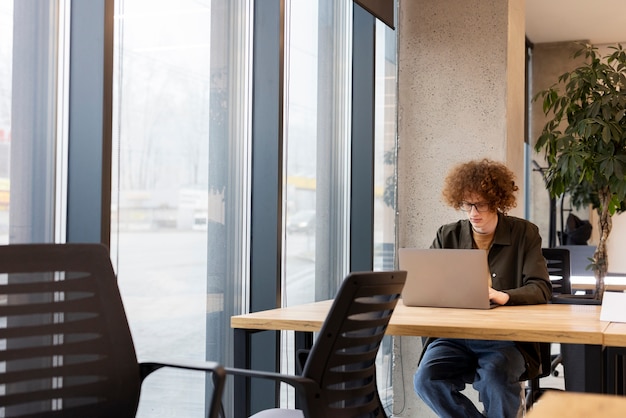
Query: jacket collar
[(502, 235), (503, 231)]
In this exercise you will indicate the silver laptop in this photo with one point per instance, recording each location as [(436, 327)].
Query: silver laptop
[(448, 278)]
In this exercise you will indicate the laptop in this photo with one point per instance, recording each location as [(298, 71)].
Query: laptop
[(447, 278)]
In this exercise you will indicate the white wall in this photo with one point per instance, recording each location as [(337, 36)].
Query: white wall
[(616, 245)]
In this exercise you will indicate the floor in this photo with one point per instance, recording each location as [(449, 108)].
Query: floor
[(556, 382)]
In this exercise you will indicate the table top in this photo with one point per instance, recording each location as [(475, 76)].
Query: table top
[(578, 405), (306, 317), (615, 335), (560, 323), (563, 323)]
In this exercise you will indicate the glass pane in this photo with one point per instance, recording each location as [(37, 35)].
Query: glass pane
[(301, 146), (317, 140), (385, 149), (6, 70), (28, 120), (178, 206), (385, 185)]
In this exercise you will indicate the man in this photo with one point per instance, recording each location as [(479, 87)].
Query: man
[(485, 191)]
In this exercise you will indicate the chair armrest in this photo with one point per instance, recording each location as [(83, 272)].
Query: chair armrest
[(147, 368), (218, 375), (306, 388)]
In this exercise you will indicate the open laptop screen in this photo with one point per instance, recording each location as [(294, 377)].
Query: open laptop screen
[(450, 278)]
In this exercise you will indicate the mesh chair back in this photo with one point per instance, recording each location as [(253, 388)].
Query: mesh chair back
[(558, 262), (343, 356), (67, 347)]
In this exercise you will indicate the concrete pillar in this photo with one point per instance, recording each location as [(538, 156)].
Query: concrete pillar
[(461, 97)]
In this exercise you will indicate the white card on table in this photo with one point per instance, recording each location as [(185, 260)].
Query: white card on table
[(613, 307)]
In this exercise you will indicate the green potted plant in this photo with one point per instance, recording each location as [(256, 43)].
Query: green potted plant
[(585, 141)]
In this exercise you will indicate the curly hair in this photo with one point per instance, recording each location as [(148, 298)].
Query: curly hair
[(491, 180)]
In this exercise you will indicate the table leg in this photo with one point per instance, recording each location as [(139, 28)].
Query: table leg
[(583, 367), (614, 372), (241, 360), (303, 342)]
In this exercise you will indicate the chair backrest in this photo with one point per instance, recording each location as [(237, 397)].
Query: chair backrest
[(342, 359), (558, 262), (67, 346)]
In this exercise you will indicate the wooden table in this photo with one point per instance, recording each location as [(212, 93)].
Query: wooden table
[(561, 323), (578, 405), (578, 324)]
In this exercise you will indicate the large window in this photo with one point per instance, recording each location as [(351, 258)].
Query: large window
[(317, 137), (317, 142), (178, 201), (182, 163)]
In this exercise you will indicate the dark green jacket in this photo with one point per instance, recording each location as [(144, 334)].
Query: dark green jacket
[(517, 267)]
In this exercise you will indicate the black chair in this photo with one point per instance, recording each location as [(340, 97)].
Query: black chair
[(66, 343), (534, 389), (558, 263), (339, 375), (559, 268)]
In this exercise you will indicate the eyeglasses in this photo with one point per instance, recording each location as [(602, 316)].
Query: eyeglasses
[(479, 206)]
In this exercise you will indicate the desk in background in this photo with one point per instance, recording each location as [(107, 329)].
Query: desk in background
[(616, 282)]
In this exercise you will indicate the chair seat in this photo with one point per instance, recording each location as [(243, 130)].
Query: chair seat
[(279, 413)]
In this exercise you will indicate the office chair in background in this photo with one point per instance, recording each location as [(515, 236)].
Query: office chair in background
[(559, 268), (67, 349), (534, 389), (558, 264), (571, 356), (339, 375)]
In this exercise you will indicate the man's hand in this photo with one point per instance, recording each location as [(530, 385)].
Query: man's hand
[(498, 297)]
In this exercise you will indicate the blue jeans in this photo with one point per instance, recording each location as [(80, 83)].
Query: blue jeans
[(493, 368)]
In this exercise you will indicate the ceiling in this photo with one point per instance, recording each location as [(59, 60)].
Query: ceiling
[(599, 21)]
